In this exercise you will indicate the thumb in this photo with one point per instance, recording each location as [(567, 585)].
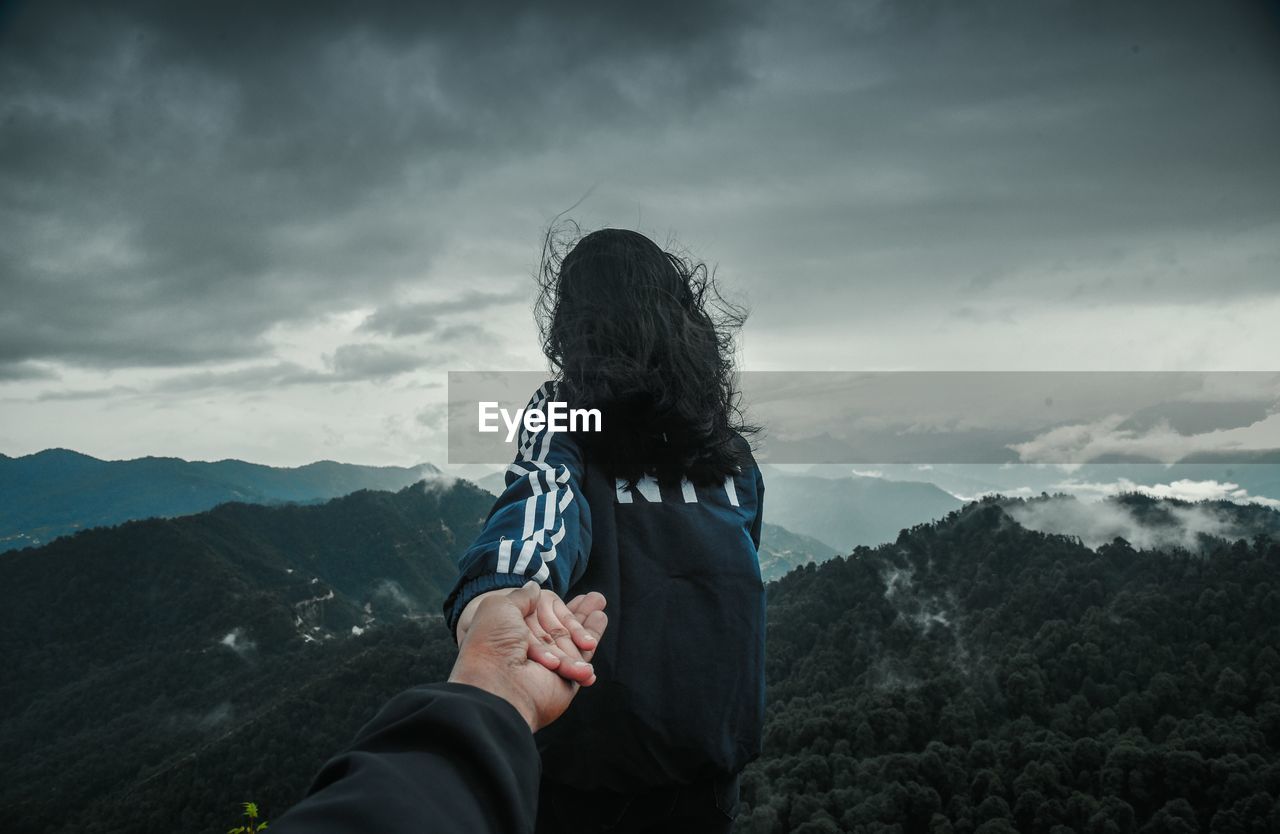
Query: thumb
[(526, 599)]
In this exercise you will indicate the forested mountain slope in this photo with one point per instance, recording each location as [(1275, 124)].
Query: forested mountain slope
[(129, 647), (975, 675), (972, 675), (59, 491)]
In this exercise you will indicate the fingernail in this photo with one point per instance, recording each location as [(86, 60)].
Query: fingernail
[(581, 663)]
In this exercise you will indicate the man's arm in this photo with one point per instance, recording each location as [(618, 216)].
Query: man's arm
[(457, 756), (442, 757)]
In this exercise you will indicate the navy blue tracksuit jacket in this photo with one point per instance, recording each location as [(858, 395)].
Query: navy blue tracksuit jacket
[(679, 695)]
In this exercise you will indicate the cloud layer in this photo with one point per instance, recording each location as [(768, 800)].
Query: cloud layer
[(295, 200), (1167, 526)]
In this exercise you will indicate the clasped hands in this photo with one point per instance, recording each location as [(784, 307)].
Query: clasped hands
[(530, 647)]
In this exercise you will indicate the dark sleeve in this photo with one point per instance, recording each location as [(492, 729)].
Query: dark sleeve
[(441, 757), (759, 518)]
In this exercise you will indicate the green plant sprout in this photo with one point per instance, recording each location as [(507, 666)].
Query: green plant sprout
[(251, 815)]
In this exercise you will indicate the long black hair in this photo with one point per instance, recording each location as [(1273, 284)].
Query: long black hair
[(645, 336)]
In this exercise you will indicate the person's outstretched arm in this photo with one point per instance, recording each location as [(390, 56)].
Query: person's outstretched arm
[(450, 757), (443, 757), (539, 529)]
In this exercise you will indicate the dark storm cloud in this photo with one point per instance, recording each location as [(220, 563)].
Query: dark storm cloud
[(176, 180), (25, 370), (364, 362), (1073, 153), (348, 363), (257, 377), (111, 391), (424, 317)]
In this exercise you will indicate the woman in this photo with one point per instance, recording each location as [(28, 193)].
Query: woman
[(660, 511)]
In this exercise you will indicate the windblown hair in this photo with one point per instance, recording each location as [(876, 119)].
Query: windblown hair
[(645, 336)]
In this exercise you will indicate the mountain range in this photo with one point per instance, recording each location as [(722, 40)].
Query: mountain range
[(851, 511), (972, 674), (59, 491)]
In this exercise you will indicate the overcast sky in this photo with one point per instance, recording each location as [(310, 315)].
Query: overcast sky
[(268, 231)]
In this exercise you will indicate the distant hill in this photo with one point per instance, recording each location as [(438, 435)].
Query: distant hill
[(494, 482), (852, 511), (58, 491), (782, 551), (140, 642)]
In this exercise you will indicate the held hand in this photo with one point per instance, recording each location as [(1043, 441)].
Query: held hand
[(588, 609), (497, 655), (558, 627), (559, 634)]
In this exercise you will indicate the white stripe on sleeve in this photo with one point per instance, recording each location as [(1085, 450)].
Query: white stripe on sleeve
[(504, 556), (526, 555), (530, 512), (549, 517)]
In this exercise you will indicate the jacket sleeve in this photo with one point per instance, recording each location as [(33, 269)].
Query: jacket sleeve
[(539, 528), (443, 757), (759, 517)]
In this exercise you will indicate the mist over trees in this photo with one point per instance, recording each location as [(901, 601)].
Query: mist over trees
[(978, 676)]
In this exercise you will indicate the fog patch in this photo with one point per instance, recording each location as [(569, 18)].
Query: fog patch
[(237, 642), (1163, 526), (1183, 489), (217, 716), (434, 481), (389, 589), (1161, 441), (926, 618), (890, 675), (1014, 492), (896, 581), (185, 721), (929, 616), (921, 610)]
